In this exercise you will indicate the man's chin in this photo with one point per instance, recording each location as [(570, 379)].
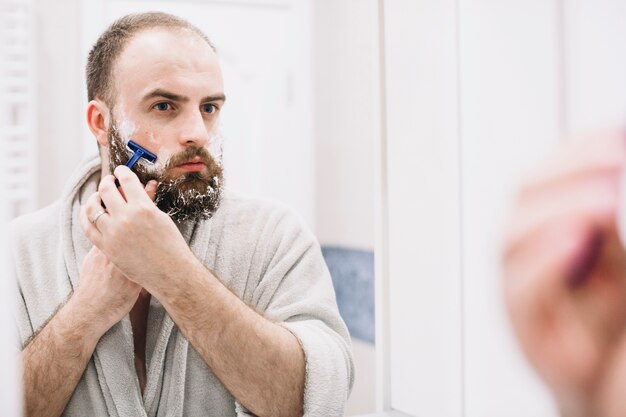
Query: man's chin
[(189, 198)]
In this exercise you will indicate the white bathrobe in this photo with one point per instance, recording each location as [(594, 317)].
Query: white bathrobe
[(259, 249)]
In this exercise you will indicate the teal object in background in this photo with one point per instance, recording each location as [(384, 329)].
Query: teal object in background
[(352, 271)]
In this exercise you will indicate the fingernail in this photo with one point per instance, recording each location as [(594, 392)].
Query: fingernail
[(586, 261)]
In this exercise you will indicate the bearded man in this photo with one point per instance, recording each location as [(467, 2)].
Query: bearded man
[(155, 292)]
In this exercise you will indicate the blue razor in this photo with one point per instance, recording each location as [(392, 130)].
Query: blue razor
[(139, 152)]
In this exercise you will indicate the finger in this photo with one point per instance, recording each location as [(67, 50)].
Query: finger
[(91, 232), (110, 195), (537, 295), (571, 249), (596, 196), (91, 207), (151, 189), (98, 218), (605, 154), (601, 302), (566, 329), (130, 184), (550, 254)]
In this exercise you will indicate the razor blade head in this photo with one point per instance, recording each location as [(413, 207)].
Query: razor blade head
[(143, 152)]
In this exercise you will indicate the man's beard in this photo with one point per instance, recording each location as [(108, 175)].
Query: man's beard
[(188, 196)]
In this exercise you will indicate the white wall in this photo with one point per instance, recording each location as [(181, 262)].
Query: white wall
[(511, 116), (473, 99), (346, 116), (9, 354), (9, 389), (60, 103), (346, 132), (9, 363), (596, 64), (423, 203)]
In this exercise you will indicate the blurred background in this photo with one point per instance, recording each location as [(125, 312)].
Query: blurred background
[(398, 129)]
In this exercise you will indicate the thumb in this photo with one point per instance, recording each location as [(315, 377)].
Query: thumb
[(151, 188)]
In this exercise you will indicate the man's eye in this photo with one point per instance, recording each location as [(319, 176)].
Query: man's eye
[(162, 106), (209, 108)]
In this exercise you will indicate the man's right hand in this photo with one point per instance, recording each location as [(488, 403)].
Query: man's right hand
[(105, 293), (565, 276), (103, 289), (56, 357)]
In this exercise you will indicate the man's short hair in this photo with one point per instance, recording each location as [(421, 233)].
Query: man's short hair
[(110, 44)]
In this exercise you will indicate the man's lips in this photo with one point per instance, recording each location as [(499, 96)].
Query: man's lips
[(194, 165)]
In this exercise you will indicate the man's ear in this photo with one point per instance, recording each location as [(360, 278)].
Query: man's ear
[(98, 120)]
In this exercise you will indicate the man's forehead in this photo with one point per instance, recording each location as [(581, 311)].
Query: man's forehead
[(155, 42), (169, 59)]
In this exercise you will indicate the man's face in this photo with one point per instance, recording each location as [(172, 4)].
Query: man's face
[(168, 92)]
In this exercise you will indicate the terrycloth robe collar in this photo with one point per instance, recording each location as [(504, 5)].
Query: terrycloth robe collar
[(114, 353)]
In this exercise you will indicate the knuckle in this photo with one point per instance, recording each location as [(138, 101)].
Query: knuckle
[(143, 211), (123, 225), (89, 233)]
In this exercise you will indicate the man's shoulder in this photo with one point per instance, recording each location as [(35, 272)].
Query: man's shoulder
[(234, 201), (255, 213), (42, 222)]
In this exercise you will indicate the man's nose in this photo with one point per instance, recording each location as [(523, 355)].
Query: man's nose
[(194, 131)]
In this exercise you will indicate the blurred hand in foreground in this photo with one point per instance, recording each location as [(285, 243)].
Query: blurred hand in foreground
[(564, 269)]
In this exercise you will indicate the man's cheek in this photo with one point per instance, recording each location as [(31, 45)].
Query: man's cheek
[(215, 146), (153, 143), (164, 156)]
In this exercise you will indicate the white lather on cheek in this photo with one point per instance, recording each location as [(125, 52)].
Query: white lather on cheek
[(152, 140), (126, 128)]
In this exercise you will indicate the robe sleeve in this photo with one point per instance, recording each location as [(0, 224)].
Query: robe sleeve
[(296, 291)]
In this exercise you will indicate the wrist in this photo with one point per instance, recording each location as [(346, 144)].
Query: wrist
[(175, 277), (82, 317)]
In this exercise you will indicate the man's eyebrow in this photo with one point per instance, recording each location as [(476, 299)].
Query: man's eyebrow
[(177, 97), (215, 97), (165, 94)]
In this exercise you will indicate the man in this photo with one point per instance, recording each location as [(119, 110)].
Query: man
[(565, 275), (203, 304)]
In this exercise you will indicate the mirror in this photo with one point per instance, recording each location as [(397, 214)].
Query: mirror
[(300, 124)]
